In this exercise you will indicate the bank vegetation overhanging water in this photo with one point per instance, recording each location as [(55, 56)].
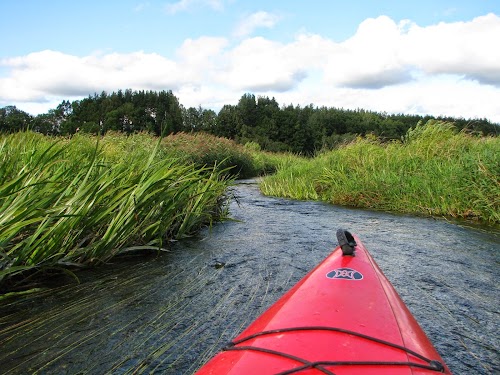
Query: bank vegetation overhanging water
[(434, 170), (81, 200)]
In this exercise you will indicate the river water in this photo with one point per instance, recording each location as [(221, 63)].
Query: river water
[(168, 313)]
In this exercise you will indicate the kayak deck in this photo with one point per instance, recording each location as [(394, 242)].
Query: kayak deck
[(344, 317)]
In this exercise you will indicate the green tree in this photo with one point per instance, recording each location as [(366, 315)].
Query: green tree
[(247, 106), (13, 119), (229, 123)]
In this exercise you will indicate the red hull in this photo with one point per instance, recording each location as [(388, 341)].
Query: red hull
[(351, 295)]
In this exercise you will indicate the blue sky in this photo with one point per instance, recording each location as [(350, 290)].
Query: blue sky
[(435, 57)]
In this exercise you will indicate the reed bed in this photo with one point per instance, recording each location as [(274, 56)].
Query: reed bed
[(204, 149), (434, 170), (294, 178), (83, 200)]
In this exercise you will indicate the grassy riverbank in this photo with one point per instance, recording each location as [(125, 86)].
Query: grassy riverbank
[(82, 200), (434, 171)]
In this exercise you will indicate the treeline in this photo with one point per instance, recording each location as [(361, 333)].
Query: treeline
[(261, 120)]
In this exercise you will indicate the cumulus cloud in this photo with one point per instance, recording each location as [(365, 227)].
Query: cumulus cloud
[(371, 58), (258, 64), (383, 52), (254, 21), (437, 95), (462, 48), (183, 5), (201, 52), (444, 69), (49, 73)]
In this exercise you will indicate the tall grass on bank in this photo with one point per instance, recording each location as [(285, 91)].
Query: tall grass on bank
[(295, 178), (207, 150), (202, 149), (80, 202), (434, 170)]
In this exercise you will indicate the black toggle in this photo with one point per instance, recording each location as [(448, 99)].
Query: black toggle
[(346, 241)]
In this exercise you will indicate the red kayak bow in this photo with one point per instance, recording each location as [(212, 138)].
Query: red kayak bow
[(344, 317)]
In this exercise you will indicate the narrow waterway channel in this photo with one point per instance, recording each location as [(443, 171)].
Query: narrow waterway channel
[(168, 313)]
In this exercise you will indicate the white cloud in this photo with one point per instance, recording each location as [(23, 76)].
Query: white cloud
[(444, 69), (258, 64), (42, 74), (369, 59), (202, 54), (436, 96), (463, 48), (184, 5), (254, 21), (382, 52)]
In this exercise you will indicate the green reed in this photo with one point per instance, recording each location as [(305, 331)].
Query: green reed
[(81, 201), (204, 149), (294, 178), (434, 170)]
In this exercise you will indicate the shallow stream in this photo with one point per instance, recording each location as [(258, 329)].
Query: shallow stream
[(171, 312)]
